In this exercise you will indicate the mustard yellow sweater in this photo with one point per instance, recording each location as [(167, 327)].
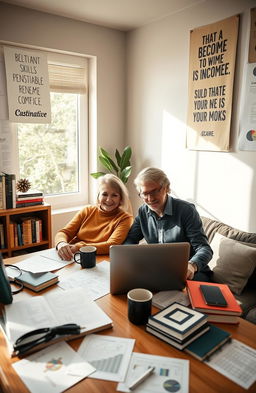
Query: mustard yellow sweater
[(95, 227)]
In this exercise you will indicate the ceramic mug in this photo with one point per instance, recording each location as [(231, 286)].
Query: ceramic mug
[(139, 305), (86, 257)]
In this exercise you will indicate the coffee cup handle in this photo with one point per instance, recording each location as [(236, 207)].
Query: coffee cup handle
[(77, 253)]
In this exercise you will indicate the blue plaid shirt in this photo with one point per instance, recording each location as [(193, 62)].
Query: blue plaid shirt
[(180, 223)]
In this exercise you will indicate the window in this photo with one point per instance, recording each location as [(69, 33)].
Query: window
[(54, 157)]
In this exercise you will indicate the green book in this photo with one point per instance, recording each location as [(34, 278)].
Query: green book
[(204, 346), (37, 281)]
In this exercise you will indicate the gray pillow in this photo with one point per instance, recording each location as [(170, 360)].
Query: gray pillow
[(233, 262)]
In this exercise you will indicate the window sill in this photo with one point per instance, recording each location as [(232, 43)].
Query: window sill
[(55, 212)]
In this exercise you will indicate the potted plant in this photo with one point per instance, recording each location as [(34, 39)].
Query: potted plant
[(121, 166)]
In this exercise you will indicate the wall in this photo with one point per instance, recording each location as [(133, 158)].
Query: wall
[(106, 48), (223, 185)]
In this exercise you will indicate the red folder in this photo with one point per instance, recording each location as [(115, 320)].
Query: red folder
[(198, 302)]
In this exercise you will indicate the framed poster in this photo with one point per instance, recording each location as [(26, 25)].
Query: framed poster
[(27, 85), (211, 77)]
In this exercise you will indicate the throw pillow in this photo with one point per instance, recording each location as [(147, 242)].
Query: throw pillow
[(233, 262)]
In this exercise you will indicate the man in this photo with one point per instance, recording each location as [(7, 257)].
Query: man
[(164, 219)]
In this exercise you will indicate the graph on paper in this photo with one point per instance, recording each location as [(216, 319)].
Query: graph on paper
[(109, 355)]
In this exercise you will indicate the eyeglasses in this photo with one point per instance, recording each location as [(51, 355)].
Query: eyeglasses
[(29, 341), (153, 193)]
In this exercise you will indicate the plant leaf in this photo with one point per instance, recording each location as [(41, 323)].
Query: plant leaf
[(104, 153), (108, 163), (124, 175), (125, 159), (105, 156), (118, 157), (96, 175)]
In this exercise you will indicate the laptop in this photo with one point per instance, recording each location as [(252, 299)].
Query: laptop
[(157, 267)]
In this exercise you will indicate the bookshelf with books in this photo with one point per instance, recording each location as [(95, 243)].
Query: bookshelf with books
[(25, 229)]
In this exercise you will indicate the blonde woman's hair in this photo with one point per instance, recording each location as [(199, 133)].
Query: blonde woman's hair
[(118, 186), (152, 174)]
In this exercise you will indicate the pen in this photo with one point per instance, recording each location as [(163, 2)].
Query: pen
[(142, 378)]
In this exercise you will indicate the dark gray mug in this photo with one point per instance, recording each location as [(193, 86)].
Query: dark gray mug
[(86, 257), (139, 305)]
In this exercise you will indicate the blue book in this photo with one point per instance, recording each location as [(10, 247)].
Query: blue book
[(211, 341), (37, 281)]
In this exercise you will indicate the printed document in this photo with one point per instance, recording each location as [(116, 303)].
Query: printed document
[(96, 280), (53, 309), (237, 362), (53, 369), (170, 374), (45, 261), (109, 355)]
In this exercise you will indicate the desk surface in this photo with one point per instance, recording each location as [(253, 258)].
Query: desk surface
[(201, 377)]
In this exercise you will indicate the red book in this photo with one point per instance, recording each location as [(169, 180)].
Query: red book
[(29, 200), (198, 302)]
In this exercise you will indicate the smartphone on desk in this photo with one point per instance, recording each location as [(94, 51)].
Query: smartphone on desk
[(213, 296)]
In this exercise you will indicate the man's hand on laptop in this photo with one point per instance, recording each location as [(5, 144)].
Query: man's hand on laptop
[(192, 269)]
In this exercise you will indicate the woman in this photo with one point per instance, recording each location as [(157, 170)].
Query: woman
[(100, 225), (164, 219)]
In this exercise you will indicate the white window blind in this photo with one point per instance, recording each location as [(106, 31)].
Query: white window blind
[(66, 78)]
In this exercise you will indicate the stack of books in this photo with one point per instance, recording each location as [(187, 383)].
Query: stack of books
[(37, 281), (29, 198), (177, 325), (228, 314)]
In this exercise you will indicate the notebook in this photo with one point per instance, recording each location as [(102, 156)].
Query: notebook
[(157, 267)]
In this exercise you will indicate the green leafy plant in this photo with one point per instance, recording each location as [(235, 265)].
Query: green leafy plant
[(121, 167)]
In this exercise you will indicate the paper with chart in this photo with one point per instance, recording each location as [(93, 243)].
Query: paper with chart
[(237, 362), (96, 280), (109, 355), (54, 369), (170, 374)]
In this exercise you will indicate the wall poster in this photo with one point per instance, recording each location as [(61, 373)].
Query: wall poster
[(27, 86), (211, 77), (247, 137)]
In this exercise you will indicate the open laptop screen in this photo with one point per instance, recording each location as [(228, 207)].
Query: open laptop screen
[(156, 267)]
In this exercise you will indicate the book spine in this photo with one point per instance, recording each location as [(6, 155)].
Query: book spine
[(19, 234), (27, 231), (30, 195), (29, 199), (1, 193), (29, 204), (2, 239), (12, 237), (13, 177), (8, 190)]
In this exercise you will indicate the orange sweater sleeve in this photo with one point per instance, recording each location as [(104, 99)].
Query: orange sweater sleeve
[(93, 227)]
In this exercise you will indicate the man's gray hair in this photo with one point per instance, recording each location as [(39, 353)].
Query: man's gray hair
[(152, 175)]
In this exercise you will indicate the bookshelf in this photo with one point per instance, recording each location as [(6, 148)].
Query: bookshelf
[(7, 216)]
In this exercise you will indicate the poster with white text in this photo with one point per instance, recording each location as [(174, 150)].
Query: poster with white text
[(27, 86), (211, 77)]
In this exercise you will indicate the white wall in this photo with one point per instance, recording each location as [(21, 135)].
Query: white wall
[(107, 48), (223, 185)]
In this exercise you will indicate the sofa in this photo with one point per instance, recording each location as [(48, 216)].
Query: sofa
[(234, 262)]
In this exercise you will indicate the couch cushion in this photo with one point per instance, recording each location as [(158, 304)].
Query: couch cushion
[(213, 226), (233, 262)]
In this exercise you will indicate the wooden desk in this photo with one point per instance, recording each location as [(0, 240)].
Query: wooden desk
[(202, 379)]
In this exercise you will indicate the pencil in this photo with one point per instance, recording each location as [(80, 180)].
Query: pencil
[(142, 378)]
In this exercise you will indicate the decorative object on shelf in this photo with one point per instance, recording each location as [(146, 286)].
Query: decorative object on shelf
[(121, 168), (23, 185)]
